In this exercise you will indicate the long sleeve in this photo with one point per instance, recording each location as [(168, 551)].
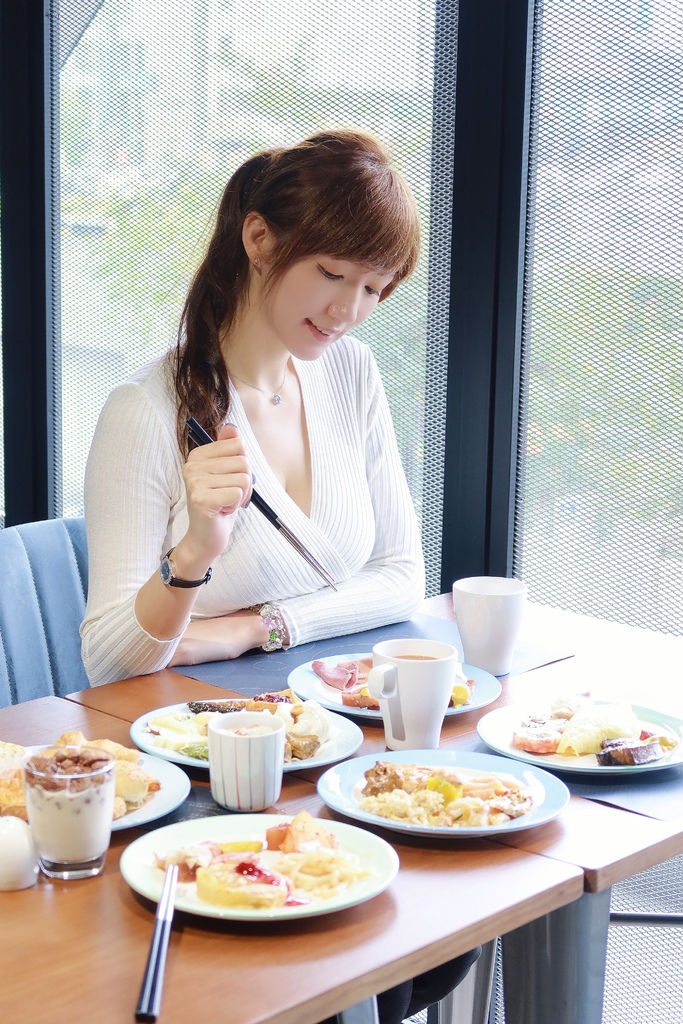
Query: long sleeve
[(132, 490)]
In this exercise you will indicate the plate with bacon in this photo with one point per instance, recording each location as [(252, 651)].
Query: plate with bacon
[(339, 683)]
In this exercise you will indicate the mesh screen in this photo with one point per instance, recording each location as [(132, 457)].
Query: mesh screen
[(601, 524), (157, 111)]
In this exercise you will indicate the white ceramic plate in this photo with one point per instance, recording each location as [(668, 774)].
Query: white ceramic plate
[(139, 870), (175, 787), (340, 787), (496, 729), (308, 685), (346, 741)]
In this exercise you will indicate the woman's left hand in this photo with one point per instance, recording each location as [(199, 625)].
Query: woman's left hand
[(220, 639)]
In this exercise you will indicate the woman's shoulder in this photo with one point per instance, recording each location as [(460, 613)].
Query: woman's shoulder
[(151, 383), (146, 396)]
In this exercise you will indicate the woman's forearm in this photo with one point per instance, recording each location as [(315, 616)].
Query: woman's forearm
[(220, 639)]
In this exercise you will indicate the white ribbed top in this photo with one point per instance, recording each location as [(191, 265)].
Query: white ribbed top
[(362, 525)]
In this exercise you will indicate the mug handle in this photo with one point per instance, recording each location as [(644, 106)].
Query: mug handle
[(383, 684)]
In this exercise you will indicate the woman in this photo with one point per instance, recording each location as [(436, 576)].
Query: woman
[(307, 242), (182, 570)]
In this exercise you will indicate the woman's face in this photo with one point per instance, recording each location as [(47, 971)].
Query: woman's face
[(317, 300)]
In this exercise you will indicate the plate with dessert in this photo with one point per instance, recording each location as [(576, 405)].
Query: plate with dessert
[(339, 683), (443, 793), (578, 734), (315, 736), (262, 867), (147, 788)]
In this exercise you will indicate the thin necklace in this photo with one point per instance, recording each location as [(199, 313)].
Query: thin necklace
[(275, 398)]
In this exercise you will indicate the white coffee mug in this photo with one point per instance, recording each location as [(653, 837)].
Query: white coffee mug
[(246, 758), (489, 612), (413, 681)]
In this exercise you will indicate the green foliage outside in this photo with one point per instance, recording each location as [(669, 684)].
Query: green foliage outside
[(605, 414)]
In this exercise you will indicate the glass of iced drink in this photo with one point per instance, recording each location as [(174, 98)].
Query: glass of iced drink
[(70, 806)]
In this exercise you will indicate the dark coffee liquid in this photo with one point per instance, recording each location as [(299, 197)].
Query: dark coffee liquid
[(416, 657)]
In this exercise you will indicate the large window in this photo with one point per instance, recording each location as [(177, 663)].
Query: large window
[(600, 526), (156, 111)]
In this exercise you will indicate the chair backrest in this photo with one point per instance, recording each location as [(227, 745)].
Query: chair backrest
[(43, 584)]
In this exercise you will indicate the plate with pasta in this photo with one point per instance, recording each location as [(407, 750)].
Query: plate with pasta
[(262, 867), (443, 793)]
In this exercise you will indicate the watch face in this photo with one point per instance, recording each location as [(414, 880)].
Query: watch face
[(166, 571)]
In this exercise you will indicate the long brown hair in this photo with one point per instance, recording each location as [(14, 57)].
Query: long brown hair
[(334, 194)]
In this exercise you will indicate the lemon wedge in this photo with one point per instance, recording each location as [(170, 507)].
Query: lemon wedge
[(241, 846), (460, 695), (448, 791)]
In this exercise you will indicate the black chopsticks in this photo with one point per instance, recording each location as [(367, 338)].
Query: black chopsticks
[(200, 437), (153, 981)]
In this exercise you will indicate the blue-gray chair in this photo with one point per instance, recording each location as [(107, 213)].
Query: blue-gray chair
[(43, 585)]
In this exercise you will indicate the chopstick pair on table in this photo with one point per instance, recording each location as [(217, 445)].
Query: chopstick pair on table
[(149, 1002), (201, 437)]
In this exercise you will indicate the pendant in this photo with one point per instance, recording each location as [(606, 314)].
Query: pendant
[(276, 399)]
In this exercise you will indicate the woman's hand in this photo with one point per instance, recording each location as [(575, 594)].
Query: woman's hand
[(218, 481), (220, 639)]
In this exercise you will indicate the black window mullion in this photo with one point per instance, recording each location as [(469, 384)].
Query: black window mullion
[(28, 394), (485, 324)]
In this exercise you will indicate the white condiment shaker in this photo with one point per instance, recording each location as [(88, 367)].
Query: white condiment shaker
[(18, 858)]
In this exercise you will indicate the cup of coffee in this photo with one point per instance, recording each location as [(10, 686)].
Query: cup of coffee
[(413, 681), (246, 759), (489, 612)]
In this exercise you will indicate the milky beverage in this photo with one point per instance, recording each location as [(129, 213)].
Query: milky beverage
[(70, 803), (416, 657)]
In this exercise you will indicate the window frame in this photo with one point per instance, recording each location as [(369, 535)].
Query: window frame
[(483, 414)]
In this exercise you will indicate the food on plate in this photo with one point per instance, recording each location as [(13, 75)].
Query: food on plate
[(450, 797), (261, 702), (117, 750), (630, 752), (359, 699), (576, 726), (301, 864), (346, 675), (462, 691), (351, 677), (134, 786), (307, 725), (586, 730), (300, 834)]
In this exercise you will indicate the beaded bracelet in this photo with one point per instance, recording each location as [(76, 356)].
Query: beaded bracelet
[(277, 631)]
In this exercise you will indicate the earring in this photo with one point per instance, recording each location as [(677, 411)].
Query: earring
[(256, 261)]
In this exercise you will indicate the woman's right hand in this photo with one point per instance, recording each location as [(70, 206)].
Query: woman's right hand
[(218, 481)]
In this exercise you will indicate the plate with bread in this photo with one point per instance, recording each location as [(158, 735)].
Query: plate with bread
[(314, 735), (147, 788), (262, 867), (579, 734), (338, 683)]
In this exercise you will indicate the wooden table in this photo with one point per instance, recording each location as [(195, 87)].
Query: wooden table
[(609, 844), (447, 897), (78, 949)]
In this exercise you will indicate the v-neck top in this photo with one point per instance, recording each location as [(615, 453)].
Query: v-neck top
[(362, 524)]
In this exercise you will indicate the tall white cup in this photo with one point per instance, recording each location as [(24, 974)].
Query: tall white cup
[(489, 612), (246, 758), (413, 681)]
